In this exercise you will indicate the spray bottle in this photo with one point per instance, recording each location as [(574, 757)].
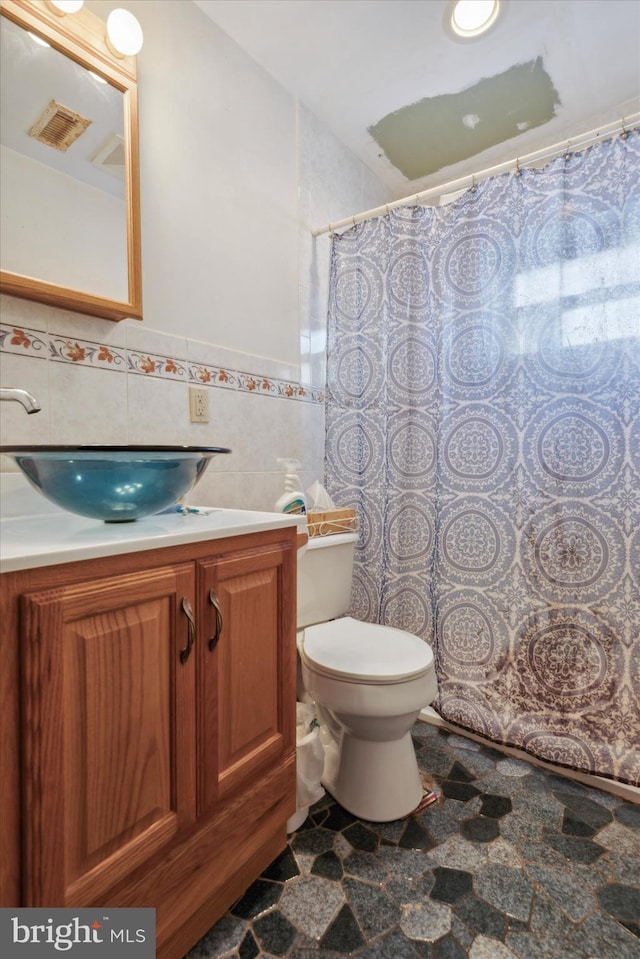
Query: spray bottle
[(293, 499)]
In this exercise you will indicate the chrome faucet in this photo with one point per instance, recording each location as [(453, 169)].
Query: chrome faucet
[(29, 402)]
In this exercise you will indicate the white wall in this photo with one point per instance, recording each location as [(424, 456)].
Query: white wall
[(234, 173)]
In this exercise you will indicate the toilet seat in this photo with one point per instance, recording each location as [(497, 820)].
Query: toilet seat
[(352, 651)]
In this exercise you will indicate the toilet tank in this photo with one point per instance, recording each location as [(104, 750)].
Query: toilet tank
[(325, 569)]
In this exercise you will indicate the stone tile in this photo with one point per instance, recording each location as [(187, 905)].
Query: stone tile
[(621, 902), (585, 809), (227, 934), (480, 829), (539, 807), (373, 907), (364, 865), (571, 896), (274, 933), (477, 763), (515, 827), (343, 934), (415, 837), (620, 839), (628, 814), (338, 819), (624, 868), (405, 891), (458, 790), (601, 937), (485, 948), (459, 742), (573, 826), (395, 945), (506, 889), (494, 806), (434, 760), (439, 821), (577, 850), (249, 948), (481, 917), (459, 852), (341, 846), (391, 831), (459, 773), (312, 842), (361, 837), (409, 863), (451, 885), (542, 854), (504, 852), (547, 918), (447, 948), (461, 932), (328, 865), (261, 896), (311, 904), (283, 868), (513, 767), (425, 921), (529, 945)]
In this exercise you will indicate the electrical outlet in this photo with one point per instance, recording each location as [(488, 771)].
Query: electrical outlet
[(198, 404)]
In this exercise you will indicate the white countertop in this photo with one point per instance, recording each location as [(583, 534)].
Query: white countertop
[(49, 538)]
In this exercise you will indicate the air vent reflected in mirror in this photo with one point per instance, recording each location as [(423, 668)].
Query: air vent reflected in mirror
[(58, 126)]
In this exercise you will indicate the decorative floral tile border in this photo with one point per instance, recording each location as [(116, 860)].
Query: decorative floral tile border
[(26, 342)]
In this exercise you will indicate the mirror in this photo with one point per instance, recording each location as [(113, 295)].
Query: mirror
[(69, 188)]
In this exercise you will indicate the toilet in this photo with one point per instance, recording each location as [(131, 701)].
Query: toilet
[(368, 682)]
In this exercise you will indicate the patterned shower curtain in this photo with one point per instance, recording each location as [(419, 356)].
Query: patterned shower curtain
[(483, 416)]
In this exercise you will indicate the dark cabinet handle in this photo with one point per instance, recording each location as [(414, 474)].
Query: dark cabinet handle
[(213, 599), (191, 630)]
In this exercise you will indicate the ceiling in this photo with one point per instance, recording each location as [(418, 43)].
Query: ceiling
[(420, 107)]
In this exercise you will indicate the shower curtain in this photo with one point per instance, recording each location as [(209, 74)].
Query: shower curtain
[(483, 417)]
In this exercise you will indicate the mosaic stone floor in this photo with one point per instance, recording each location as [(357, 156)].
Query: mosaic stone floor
[(513, 862)]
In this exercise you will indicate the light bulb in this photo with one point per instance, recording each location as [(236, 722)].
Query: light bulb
[(65, 6), (472, 17), (38, 40), (124, 33)]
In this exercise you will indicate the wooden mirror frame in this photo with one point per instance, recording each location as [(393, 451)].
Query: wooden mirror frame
[(81, 37)]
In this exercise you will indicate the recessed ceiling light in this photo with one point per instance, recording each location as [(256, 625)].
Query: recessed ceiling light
[(470, 18)]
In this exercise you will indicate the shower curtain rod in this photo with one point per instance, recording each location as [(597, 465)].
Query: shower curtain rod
[(623, 125)]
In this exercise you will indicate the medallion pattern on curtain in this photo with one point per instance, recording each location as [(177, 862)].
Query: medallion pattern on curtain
[(483, 416)]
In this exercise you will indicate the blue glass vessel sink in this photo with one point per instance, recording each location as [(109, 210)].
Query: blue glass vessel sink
[(116, 484)]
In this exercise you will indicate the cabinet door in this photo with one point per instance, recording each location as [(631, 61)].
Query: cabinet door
[(108, 730), (246, 668)]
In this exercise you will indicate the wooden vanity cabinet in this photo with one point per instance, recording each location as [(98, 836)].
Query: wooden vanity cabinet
[(153, 712)]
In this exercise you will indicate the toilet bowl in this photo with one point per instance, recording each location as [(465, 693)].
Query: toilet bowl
[(369, 683)]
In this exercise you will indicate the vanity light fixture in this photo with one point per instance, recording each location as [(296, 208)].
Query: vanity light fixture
[(62, 7), (124, 33), (470, 18)]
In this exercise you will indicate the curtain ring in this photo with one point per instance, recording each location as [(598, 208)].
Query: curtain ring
[(567, 155), (518, 170), (625, 132), (473, 183), (354, 220), (386, 206)]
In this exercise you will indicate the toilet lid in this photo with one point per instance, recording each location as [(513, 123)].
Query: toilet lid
[(349, 649)]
